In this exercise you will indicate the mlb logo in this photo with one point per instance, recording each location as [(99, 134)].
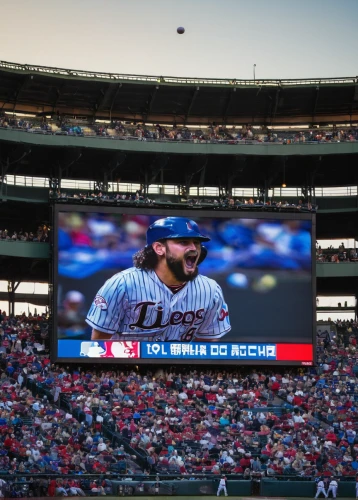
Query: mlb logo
[(100, 302), (189, 226), (110, 349), (91, 349), (84, 348), (118, 349)]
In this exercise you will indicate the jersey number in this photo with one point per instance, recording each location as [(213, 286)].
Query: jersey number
[(187, 336)]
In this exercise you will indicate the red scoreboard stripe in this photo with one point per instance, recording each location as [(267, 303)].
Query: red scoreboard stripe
[(294, 352)]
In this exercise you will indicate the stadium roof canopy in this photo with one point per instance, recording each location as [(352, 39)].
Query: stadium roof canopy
[(41, 90)]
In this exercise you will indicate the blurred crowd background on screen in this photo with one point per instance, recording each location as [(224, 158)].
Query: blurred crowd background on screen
[(90, 242)]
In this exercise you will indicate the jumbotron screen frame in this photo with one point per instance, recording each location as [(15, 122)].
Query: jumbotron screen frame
[(192, 214)]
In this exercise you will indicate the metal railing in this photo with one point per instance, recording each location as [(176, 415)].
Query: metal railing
[(171, 189), (233, 82)]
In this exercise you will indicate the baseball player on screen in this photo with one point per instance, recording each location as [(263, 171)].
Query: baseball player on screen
[(163, 298)]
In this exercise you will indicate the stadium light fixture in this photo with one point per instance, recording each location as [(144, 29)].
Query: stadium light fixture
[(284, 175)]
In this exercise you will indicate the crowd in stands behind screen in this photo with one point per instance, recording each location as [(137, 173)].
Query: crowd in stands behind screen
[(144, 132), (340, 254), (41, 234)]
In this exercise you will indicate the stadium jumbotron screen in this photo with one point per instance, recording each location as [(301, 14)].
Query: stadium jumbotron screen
[(140, 285)]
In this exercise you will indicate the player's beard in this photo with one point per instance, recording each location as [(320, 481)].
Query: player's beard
[(176, 266)]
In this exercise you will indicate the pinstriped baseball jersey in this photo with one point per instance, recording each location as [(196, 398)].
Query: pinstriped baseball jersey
[(136, 305)]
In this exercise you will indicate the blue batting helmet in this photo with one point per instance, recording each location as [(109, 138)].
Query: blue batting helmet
[(172, 228)]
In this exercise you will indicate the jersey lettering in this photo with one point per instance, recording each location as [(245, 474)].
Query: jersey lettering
[(188, 318), (143, 306)]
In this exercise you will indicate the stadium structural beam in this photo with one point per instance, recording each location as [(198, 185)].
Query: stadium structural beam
[(146, 182), (316, 167), (157, 167), (277, 100), (195, 166), (58, 95), (273, 174), (104, 96), (102, 183), (228, 103), (188, 178), (239, 164), (65, 168), (20, 88), (12, 286), (119, 86), (191, 103), (315, 103), (203, 173), (354, 101), (4, 170), (105, 182), (222, 190), (59, 177), (262, 193), (150, 102), (308, 188), (115, 163)]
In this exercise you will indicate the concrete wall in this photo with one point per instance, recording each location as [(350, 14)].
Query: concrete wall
[(25, 249), (264, 149), (336, 270)]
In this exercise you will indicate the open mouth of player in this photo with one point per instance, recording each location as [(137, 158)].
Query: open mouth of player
[(190, 261)]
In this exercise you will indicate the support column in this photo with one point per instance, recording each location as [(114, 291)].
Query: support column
[(146, 183), (11, 289), (4, 169)]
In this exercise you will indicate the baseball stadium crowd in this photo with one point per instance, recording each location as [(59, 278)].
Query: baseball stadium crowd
[(41, 234), (336, 255), (71, 421), (225, 202), (213, 133)]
